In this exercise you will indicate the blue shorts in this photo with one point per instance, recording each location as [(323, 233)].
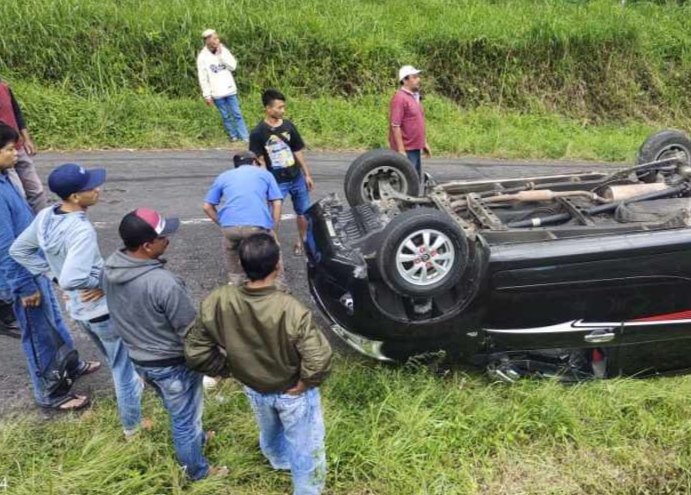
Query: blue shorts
[(297, 188)]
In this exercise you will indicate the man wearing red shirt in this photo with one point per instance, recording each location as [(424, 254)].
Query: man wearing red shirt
[(24, 176), (407, 119)]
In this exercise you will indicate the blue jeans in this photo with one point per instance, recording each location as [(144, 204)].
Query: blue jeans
[(415, 157), (291, 436), (42, 328), (297, 188), (234, 124), (128, 384), (181, 390)]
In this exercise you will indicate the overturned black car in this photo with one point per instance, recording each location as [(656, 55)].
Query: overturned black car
[(578, 276)]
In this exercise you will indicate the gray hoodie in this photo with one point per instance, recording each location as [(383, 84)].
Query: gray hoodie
[(150, 307), (70, 246)]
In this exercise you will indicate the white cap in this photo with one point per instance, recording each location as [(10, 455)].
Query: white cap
[(208, 33), (407, 70)]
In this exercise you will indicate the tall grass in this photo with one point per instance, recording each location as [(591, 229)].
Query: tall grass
[(589, 62), (391, 431)]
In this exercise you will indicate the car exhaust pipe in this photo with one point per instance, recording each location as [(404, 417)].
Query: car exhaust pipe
[(617, 193)]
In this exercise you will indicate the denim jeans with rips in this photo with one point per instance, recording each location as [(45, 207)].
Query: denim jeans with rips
[(128, 384), (231, 115), (181, 390), (291, 436)]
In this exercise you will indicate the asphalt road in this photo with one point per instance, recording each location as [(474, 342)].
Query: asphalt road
[(174, 182)]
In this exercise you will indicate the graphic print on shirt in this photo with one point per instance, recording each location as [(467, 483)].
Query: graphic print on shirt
[(216, 68), (280, 154)]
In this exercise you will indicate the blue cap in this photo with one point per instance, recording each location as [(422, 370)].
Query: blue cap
[(71, 178)]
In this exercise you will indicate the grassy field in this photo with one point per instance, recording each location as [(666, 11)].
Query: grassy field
[(530, 78), (391, 431)]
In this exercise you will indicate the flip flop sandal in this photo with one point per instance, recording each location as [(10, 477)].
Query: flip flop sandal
[(298, 250), (89, 368), (60, 406)]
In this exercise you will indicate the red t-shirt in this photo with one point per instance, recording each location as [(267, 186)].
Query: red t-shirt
[(406, 111)]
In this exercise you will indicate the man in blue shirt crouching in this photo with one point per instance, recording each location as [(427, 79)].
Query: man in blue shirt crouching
[(247, 191)]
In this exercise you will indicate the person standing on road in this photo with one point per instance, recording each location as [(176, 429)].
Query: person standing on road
[(247, 192), (215, 67), (24, 175), (407, 119), (53, 362), (152, 312), (279, 147), (62, 241), (266, 339)]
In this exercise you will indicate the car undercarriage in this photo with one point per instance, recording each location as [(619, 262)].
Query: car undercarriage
[(530, 276)]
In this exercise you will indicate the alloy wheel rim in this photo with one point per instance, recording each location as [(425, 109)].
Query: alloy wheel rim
[(425, 257)]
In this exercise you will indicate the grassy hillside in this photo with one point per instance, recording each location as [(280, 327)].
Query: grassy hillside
[(596, 66), (391, 431)]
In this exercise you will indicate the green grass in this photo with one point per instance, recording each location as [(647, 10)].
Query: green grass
[(129, 120), (391, 431), (529, 78)]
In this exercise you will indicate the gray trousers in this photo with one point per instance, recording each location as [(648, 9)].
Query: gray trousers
[(25, 178)]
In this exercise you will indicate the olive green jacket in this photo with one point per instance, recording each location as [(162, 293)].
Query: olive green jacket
[(265, 338)]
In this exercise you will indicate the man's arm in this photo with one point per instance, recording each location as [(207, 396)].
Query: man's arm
[(212, 199), (203, 77), (276, 215), (77, 270), (176, 304), (398, 138), (228, 59), (26, 251), (203, 352), (300, 159), (20, 281), (21, 123), (211, 212), (315, 351)]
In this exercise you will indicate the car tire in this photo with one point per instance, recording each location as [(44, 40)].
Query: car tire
[(661, 145), (423, 253), (360, 182)]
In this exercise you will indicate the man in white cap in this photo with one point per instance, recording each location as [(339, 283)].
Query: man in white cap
[(407, 119), (215, 66)]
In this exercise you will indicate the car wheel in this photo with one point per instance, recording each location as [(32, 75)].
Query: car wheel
[(423, 253), (661, 145), (364, 174)]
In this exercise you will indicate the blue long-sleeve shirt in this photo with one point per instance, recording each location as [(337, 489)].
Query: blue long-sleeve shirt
[(15, 216)]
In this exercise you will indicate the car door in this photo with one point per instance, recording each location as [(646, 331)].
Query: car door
[(627, 295)]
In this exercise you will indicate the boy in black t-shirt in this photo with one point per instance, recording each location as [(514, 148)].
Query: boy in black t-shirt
[(278, 146)]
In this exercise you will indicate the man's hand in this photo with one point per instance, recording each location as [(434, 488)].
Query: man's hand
[(32, 301), (90, 295), (427, 150), (298, 389), (310, 182), (209, 101), (29, 146)]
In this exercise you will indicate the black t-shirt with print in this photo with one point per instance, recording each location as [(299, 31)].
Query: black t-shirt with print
[(277, 145)]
